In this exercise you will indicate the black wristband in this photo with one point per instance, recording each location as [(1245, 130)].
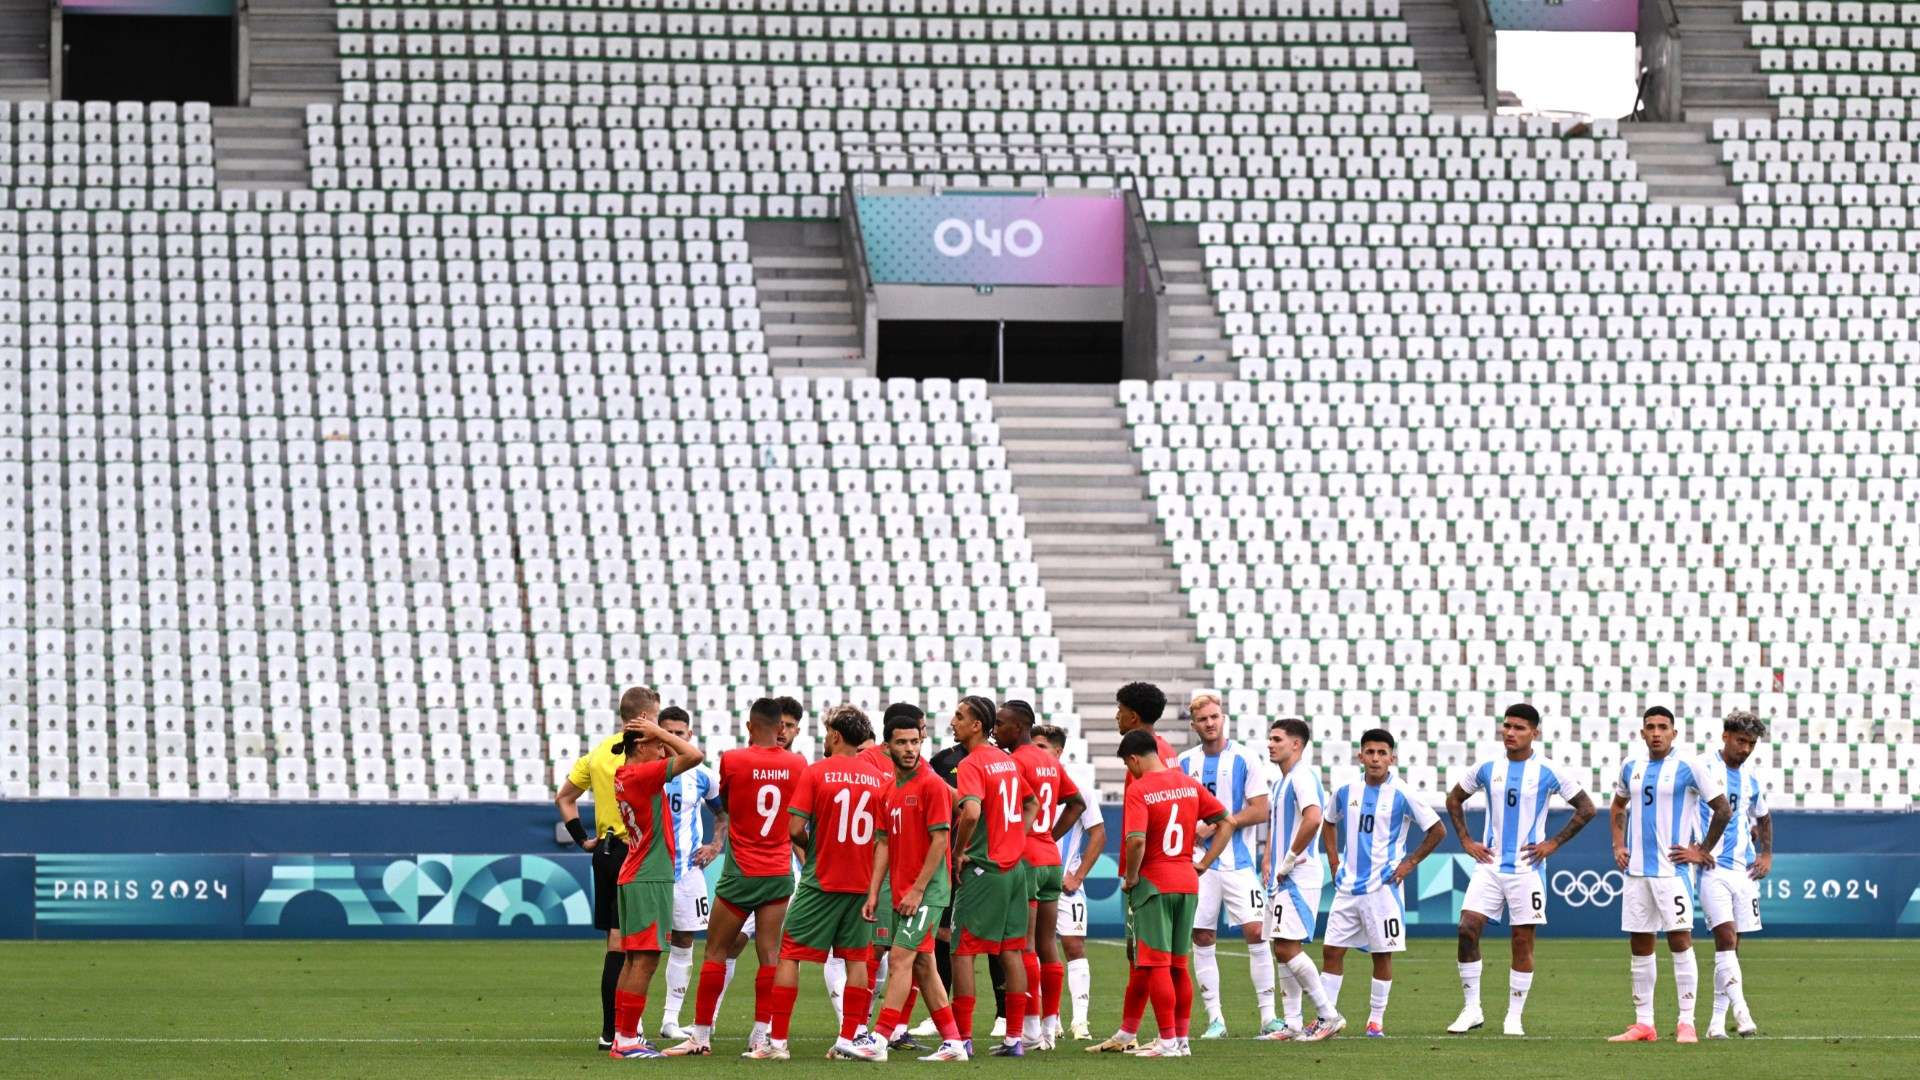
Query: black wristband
[(577, 831)]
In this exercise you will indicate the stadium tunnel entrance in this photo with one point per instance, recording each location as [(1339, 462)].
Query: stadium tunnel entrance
[(1000, 350), (111, 55)]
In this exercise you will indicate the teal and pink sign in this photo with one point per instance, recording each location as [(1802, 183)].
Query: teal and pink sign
[(148, 7), (994, 239), (1589, 15)]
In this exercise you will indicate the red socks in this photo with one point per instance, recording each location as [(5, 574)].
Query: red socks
[(1133, 1005), (627, 1009), (1182, 997), (883, 1027), (706, 1000), (854, 1003), (1052, 978), (1016, 1014), (949, 1028), (963, 1016), (1160, 989), (781, 999), (906, 1010), (762, 994), (1035, 1000)]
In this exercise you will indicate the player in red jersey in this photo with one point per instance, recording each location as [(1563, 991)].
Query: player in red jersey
[(996, 812), (1059, 807), (756, 785), (653, 756), (911, 860), (835, 819), (1163, 810), (1139, 706)]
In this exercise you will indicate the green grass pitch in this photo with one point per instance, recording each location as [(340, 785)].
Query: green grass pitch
[(416, 1010)]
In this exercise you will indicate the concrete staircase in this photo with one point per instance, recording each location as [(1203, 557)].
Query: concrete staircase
[(25, 32), (1679, 164), (295, 56), (1720, 73), (260, 148), (1440, 51), (1197, 346), (1114, 593), (806, 311)]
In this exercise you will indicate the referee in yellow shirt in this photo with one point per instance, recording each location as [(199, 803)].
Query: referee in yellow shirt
[(608, 845)]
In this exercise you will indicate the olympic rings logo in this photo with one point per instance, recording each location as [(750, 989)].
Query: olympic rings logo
[(1588, 887)]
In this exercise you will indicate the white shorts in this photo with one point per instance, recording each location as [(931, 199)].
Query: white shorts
[(691, 905), (1516, 899), (1655, 905), (1730, 896), (1375, 921), (1293, 912), (1238, 891), (1071, 919)]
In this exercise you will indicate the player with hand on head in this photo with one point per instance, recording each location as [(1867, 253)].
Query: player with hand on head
[(607, 843), (835, 819), (1162, 814), (1656, 810), (1080, 847), (911, 859), (653, 757), (692, 852), (1510, 878), (994, 815), (756, 879), (1234, 776), (1293, 878), (1730, 886), (1059, 803), (1368, 824)]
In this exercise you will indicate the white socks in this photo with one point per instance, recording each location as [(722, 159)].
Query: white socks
[(1470, 983), (1331, 984), (1080, 987), (1377, 1000), (835, 972), (1728, 989), (1518, 984), (1289, 997), (1645, 970), (1309, 981), (679, 966), (1206, 972), (1260, 966), (1686, 983)]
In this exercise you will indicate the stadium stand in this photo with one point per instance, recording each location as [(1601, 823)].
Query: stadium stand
[(304, 489)]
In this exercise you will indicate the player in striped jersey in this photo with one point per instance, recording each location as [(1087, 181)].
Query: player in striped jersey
[(1655, 817), (1080, 848), (1377, 814), (1729, 886), (686, 793), (1510, 880), (1231, 774), (1293, 877)]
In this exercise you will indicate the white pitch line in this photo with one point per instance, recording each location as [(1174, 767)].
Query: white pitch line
[(1241, 950), (438, 1040)]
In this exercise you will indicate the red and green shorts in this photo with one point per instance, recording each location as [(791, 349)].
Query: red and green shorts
[(1162, 924), (819, 923), (1043, 883), (746, 895), (915, 931), (646, 915), (990, 910)]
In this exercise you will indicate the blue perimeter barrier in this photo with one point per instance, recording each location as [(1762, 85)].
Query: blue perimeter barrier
[(140, 869)]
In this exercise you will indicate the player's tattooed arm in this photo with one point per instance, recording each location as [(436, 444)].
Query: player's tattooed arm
[(1217, 845), (1583, 812), (1457, 811), (1763, 841), (1252, 814), (797, 830), (1096, 843), (1700, 854), (1435, 833), (1133, 853), (1617, 818)]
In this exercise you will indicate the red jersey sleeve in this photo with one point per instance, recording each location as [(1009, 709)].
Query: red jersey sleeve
[(939, 800), (1133, 812), (1209, 806), (970, 782), (802, 801)]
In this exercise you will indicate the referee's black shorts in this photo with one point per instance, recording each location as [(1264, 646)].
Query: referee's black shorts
[(606, 882)]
